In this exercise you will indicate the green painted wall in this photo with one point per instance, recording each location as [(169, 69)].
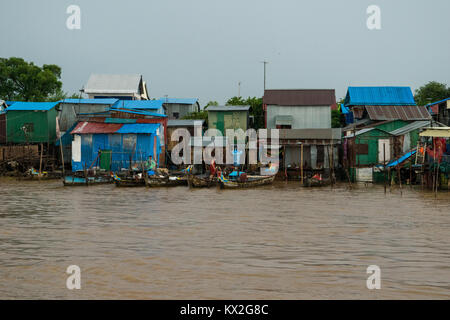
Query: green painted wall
[(371, 139), (43, 123), (391, 126), (222, 120)]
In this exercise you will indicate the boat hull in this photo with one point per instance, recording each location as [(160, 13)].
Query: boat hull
[(253, 181), (202, 181), (71, 181)]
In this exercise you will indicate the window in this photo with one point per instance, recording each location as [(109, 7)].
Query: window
[(176, 115), (362, 149)]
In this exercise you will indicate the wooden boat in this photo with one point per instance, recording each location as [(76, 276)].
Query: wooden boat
[(129, 181), (252, 181), (73, 181), (202, 181), (166, 181), (152, 181)]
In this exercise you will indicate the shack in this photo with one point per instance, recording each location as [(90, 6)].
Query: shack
[(228, 117), (31, 122), (70, 109), (114, 146), (383, 103), (176, 108), (303, 152), (298, 108)]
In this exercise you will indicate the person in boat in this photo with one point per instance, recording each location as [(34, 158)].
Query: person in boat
[(212, 168), (150, 165)]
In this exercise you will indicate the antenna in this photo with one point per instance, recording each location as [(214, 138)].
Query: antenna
[(264, 62)]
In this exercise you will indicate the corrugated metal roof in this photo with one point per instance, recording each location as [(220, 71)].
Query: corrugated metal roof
[(228, 108), (398, 113), (139, 104), (184, 123), (410, 127), (300, 97), (139, 128), (32, 106), (89, 101), (113, 83), (179, 100), (379, 96), (96, 127)]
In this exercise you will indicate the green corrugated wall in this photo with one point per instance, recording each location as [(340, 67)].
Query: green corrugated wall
[(44, 123)]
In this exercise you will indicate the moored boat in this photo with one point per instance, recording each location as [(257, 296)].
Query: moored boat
[(249, 182), (72, 181), (202, 181)]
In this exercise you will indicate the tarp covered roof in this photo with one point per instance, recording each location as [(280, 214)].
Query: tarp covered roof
[(139, 104), (121, 128), (379, 96), (32, 106), (300, 97), (113, 83)]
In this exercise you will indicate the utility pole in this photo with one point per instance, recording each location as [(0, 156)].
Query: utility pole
[(265, 62), (239, 89)]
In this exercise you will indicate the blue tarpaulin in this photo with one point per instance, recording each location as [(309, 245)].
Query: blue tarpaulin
[(401, 159)]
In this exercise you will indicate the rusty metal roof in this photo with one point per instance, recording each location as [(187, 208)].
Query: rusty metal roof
[(96, 127), (300, 97), (398, 113)]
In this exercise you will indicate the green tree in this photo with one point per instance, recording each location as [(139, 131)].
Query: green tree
[(337, 119), (256, 109), (211, 103), (24, 81), (431, 92)]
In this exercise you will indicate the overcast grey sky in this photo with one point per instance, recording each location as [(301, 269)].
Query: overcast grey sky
[(203, 48)]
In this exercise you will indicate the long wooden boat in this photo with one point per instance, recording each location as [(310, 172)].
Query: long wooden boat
[(74, 181), (152, 181), (251, 182), (202, 181)]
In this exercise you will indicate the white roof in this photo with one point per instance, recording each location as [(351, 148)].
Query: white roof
[(113, 83)]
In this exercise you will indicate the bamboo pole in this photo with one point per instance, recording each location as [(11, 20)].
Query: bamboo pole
[(62, 156), (301, 163), (40, 162)]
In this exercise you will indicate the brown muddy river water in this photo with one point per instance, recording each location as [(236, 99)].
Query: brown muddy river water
[(275, 242)]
